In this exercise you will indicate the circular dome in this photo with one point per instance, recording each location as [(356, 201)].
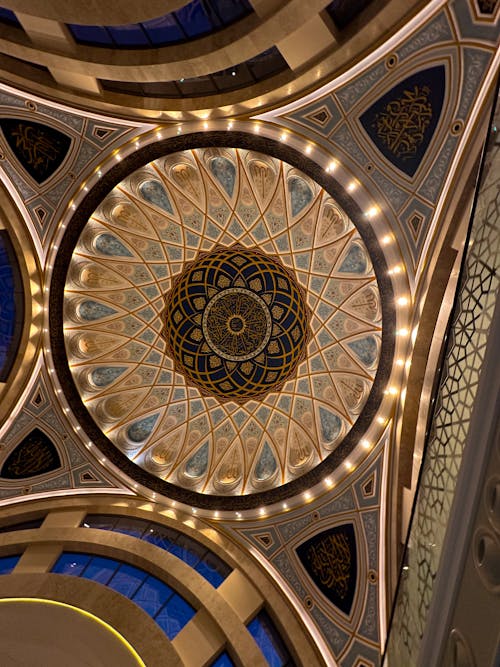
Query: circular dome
[(222, 325), (236, 324)]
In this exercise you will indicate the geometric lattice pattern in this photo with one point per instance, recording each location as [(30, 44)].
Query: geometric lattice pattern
[(236, 323), (165, 219), (455, 400)]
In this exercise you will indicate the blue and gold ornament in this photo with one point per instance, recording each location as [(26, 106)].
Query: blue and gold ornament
[(236, 324)]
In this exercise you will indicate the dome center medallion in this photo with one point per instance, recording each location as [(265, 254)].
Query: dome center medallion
[(236, 323)]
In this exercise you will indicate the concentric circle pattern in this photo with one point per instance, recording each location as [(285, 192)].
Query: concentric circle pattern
[(236, 324), (304, 305)]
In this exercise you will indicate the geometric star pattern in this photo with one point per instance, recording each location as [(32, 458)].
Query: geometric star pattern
[(130, 253), (236, 324)]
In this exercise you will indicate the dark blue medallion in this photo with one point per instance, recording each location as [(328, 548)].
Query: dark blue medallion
[(236, 323)]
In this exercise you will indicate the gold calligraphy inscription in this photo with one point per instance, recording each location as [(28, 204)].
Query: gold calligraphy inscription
[(230, 471), (402, 125), (331, 562), (30, 459), (37, 149), (331, 225)]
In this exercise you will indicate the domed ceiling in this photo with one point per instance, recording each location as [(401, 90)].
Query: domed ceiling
[(222, 320)]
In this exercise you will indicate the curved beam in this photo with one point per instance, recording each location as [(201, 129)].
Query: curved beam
[(94, 12)]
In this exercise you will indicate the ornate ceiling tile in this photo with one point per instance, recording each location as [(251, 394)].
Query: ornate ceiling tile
[(222, 321), (40, 453), (45, 150), (327, 554), (431, 76)]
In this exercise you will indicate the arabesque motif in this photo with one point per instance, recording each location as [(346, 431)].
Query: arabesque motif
[(236, 324)]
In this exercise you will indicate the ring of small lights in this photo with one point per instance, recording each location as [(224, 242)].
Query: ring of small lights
[(56, 320), (236, 324)]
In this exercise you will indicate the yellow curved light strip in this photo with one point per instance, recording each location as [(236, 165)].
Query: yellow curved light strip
[(87, 614)]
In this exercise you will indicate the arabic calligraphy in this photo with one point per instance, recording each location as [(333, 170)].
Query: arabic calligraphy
[(401, 126), (330, 559), (35, 455), (402, 122), (38, 150), (331, 562)]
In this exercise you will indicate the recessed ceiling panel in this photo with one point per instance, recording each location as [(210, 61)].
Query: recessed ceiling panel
[(403, 121), (40, 149), (330, 559), (35, 455), (222, 321)]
